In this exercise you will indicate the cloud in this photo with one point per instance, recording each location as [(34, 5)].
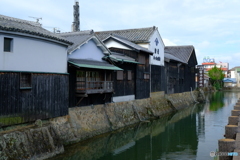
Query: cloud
[(168, 42), (204, 44)]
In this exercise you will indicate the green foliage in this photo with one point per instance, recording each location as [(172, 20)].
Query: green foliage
[(216, 75), (216, 101)]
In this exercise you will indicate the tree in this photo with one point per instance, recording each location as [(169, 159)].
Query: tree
[(216, 76)]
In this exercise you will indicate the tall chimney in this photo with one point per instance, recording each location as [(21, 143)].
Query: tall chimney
[(76, 22)]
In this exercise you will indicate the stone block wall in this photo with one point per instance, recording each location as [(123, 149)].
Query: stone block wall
[(85, 122)]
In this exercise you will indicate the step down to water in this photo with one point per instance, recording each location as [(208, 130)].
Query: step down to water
[(235, 112)]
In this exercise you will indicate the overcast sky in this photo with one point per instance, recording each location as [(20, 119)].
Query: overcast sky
[(211, 26)]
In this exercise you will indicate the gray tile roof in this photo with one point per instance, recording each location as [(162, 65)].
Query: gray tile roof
[(172, 57), (11, 24), (128, 43), (230, 80), (135, 35), (78, 38), (181, 52), (233, 69)]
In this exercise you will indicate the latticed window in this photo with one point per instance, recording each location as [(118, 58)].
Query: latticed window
[(25, 80)]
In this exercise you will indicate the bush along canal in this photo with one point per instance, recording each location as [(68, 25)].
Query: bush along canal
[(191, 133)]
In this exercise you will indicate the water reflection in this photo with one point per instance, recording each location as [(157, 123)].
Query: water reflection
[(189, 134), (216, 101)]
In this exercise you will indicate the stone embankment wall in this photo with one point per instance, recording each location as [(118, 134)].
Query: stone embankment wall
[(85, 122)]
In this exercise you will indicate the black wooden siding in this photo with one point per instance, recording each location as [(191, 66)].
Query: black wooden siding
[(158, 81), (125, 87), (189, 75), (180, 78), (142, 85), (47, 98)]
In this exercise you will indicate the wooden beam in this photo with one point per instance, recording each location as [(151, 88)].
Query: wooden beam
[(79, 101), (81, 95)]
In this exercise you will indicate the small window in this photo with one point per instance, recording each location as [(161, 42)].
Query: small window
[(25, 81), (8, 44), (141, 59), (129, 75), (146, 76), (119, 75)]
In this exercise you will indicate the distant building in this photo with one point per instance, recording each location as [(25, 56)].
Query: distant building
[(229, 82), (235, 73), (209, 63)]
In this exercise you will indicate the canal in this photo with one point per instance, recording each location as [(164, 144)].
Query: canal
[(191, 133)]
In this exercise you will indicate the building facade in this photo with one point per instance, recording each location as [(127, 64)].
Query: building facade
[(90, 75), (33, 72), (134, 59), (209, 63), (150, 39)]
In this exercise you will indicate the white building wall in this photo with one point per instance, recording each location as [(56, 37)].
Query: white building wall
[(232, 74), (160, 46), (88, 51), (110, 43), (145, 45), (34, 55)]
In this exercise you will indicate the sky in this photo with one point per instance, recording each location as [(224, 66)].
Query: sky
[(211, 26)]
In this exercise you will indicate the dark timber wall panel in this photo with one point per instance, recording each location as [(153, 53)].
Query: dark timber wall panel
[(142, 85), (125, 87), (158, 81), (47, 98)]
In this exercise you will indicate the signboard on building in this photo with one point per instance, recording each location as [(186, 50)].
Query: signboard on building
[(200, 76)]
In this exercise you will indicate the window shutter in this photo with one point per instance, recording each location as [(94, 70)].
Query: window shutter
[(119, 75)]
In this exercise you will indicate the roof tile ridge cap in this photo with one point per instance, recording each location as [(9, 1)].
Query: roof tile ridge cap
[(181, 46), (20, 20), (87, 32), (123, 30)]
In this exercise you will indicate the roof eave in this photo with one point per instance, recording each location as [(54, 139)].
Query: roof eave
[(62, 42)]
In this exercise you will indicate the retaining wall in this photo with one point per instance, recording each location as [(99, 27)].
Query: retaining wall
[(86, 122)]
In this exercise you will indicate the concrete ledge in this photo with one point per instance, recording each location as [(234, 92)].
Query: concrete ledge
[(124, 98)]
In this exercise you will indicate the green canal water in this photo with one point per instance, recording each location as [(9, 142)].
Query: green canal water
[(191, 133)]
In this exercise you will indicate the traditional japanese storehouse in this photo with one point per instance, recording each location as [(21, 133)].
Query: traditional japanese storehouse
[(33, 72), (90, 76), (150, 39), (134, 81), (174, 74), (181, 75)]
